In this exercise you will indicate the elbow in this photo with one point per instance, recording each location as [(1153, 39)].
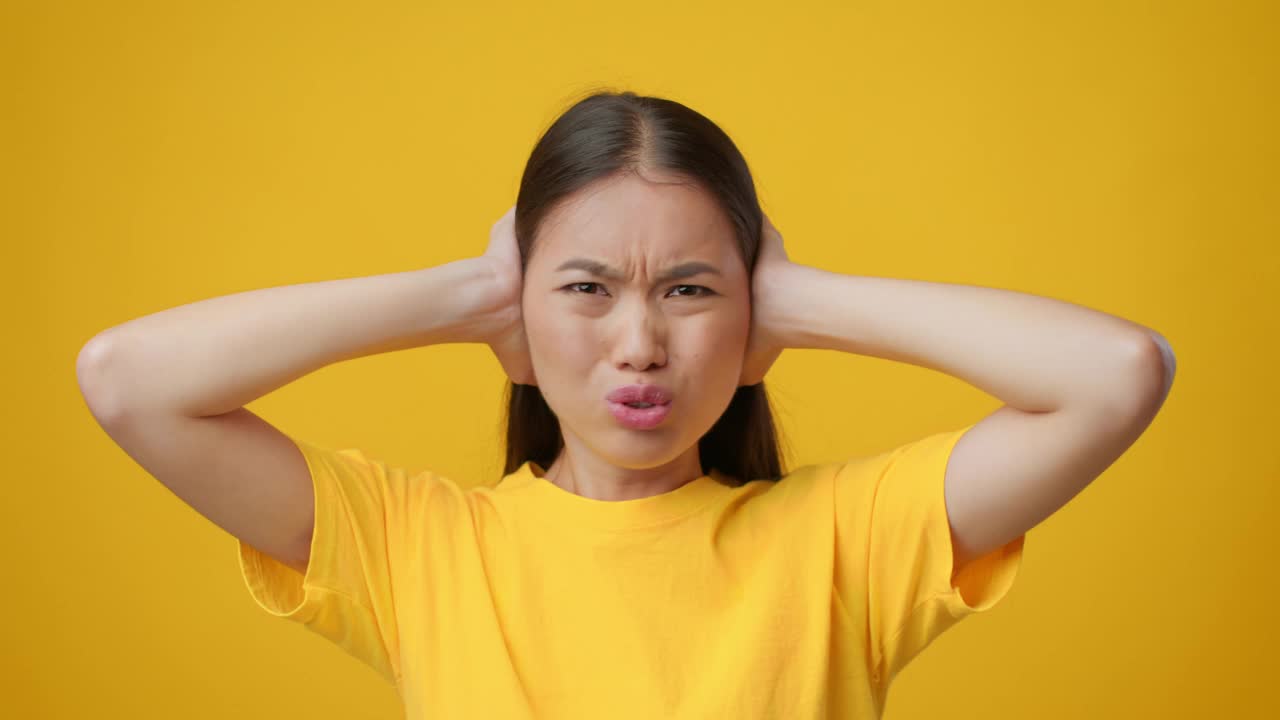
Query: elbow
[(92, 372), (1152, 365), (1168, 363)]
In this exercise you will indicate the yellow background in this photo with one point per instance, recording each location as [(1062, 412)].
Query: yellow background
[(1118, 155)]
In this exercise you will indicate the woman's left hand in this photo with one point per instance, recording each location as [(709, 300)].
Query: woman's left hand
[(768, 280)]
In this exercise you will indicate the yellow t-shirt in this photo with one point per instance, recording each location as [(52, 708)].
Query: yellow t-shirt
[(801, 598)]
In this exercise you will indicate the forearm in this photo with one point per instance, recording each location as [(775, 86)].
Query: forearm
[(1033, 353), (216, 355)]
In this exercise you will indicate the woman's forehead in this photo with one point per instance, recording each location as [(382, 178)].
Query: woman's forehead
[(631, 219)]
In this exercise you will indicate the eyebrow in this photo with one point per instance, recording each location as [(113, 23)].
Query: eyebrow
[(599, 269)]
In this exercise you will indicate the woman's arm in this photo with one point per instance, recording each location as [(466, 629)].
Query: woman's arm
[(169, 388), (214, 356), (1034, 353), (1079, 386)]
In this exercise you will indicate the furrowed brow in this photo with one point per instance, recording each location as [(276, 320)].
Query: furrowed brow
[(599, 269)]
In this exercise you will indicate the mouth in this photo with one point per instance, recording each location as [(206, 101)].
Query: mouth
[(639, 415)]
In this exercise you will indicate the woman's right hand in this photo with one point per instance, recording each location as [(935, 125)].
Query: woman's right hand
[(507, 338)]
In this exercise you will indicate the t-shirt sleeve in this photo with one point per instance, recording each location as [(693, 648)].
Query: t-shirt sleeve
[(346, 594), (894, 548)]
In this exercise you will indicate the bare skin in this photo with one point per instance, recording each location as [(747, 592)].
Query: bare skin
[(577, 335)]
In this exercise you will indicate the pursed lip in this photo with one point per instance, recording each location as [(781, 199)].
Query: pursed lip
[(647, 393)]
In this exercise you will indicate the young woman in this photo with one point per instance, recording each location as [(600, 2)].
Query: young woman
[(645, 554)]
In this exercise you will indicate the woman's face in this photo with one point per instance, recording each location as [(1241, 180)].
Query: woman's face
[(592, 331)]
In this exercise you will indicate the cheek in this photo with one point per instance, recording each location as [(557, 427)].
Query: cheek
[(565, 342), (559, 341), (730, 329), (715, 338)]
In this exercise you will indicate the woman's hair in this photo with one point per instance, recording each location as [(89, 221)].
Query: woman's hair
[(605, 134)]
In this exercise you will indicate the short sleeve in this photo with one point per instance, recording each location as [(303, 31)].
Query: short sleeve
[(346, 594), (894, 546)]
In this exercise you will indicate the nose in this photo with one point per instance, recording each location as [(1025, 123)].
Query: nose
[(640, 340)]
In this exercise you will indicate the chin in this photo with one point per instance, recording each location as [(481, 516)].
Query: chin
[(640, 450)]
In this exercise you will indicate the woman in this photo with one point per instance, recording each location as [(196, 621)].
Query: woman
[(645, 554)]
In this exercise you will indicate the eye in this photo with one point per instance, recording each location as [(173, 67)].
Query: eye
[(705, 291), (576, 289), (573, 291)]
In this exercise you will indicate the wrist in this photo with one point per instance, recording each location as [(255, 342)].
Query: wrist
[(471, 304), (793, 296)]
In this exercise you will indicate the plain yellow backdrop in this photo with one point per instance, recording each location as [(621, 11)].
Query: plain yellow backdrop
[(1118, 155)]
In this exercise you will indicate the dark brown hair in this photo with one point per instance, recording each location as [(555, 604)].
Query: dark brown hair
[(602, 135)]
